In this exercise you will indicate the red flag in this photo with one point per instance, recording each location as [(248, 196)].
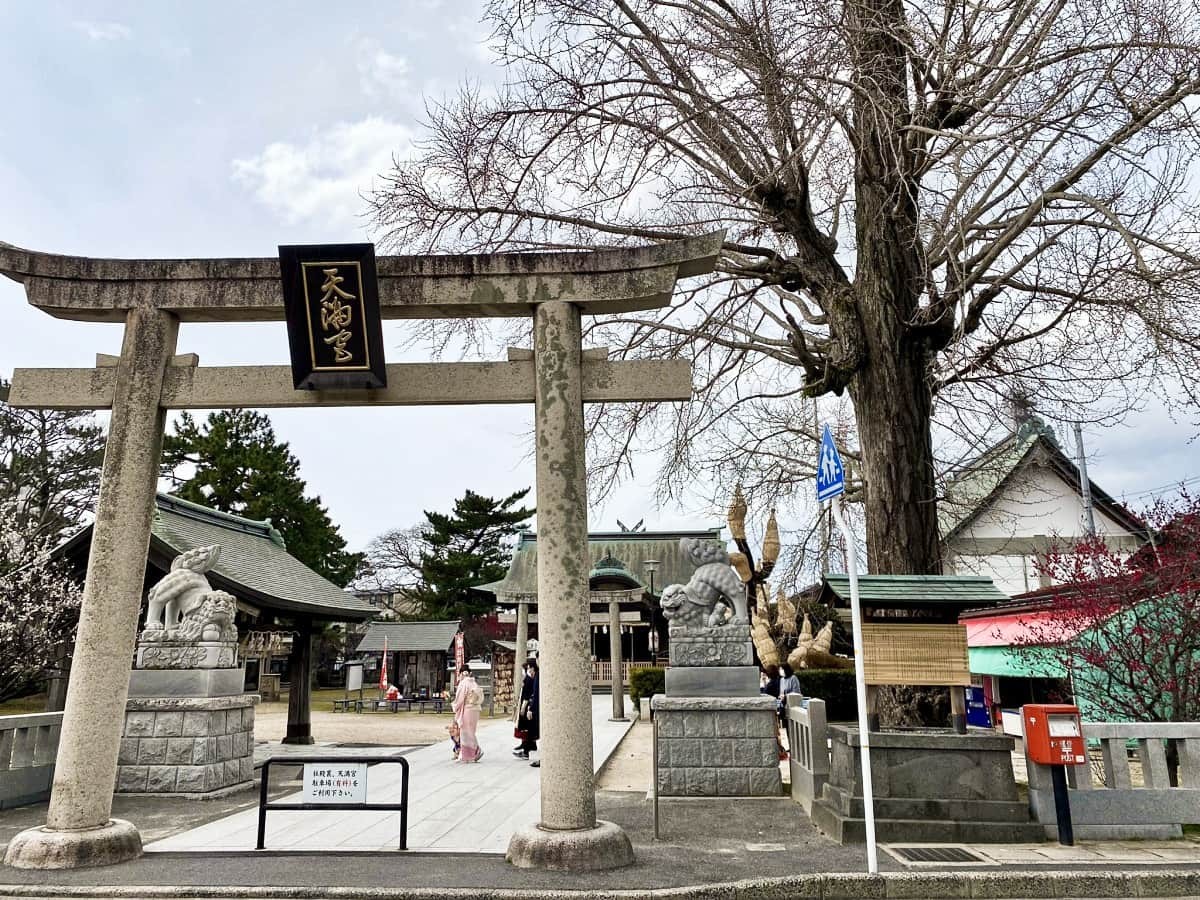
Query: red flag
[(383, 682)]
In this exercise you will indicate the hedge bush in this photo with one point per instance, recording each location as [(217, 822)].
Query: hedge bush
[(835, 687), (645, 681)]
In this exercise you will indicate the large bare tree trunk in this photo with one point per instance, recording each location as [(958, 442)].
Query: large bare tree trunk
[(891, 391), (892, 405)]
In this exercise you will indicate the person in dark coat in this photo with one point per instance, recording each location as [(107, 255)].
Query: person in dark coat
[(523, 703), (530, 719), (769, 684)]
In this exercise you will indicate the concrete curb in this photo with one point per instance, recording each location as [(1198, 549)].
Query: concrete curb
[(930, 886)]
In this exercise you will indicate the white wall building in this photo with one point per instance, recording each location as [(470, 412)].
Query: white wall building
[(1003, 512)]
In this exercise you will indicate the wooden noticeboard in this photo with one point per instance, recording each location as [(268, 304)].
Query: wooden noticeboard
[(915, 654)]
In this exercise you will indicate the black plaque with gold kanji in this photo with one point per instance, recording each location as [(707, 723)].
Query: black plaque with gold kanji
[(331, 298)]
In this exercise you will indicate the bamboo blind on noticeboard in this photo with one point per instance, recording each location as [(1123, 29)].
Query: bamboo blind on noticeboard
[(915, 654)]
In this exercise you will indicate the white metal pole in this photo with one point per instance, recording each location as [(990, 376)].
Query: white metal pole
[(860, 687)]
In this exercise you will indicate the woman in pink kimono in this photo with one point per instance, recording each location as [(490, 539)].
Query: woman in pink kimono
[(468, 704)]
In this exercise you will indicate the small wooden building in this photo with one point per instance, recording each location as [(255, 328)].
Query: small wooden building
[(418, 654), (279, 599)]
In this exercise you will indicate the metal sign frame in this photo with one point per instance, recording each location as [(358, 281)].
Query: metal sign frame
[(264, 805)]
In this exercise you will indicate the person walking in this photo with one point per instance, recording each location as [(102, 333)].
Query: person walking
[(530, 721), (468, 705), (788, 684)]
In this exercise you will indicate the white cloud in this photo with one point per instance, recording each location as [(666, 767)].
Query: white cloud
[(381, 74), (321, 181), (104, 31)]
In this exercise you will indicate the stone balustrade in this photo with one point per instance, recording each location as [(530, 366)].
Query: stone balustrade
[(1109, 806), (808, 748), (28, 747)]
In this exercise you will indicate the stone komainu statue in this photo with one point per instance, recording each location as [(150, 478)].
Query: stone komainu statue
[(184, 607), (713, 587)]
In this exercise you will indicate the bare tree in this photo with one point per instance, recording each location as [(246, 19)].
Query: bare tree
[(929, 203), (392, 562)]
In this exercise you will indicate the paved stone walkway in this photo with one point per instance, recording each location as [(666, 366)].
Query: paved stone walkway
[(453, 806)]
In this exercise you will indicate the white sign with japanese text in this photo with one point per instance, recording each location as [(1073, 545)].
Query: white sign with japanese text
[(335, 783)]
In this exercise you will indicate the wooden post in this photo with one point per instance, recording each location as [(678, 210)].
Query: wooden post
[(614, 652), (958, 708), (299, 723), (873, 707)]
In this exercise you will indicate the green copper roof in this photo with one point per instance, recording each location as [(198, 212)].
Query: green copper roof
[(253, 557), (914, 591), (631, 548), (968, 490), (254, 565)]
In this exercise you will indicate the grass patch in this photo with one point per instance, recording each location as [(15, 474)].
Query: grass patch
[(20, 706)]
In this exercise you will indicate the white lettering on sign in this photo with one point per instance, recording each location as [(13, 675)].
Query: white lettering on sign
[(335, 783)]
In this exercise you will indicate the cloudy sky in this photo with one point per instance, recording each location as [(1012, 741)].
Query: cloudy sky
[(226, 129)]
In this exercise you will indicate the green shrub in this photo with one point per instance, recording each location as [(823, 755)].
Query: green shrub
[(645, 681), (835, 687)]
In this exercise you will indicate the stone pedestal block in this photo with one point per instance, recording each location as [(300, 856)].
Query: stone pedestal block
[(144, 683), (717, 747), (724, 645), (188, 746), (186, 654), (928, 785), (712, 681)]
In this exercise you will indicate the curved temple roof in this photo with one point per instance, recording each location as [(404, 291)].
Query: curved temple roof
[(430, 286)]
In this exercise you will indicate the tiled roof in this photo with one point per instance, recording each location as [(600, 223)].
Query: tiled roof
[(631, 548), (253, 563), (969, 490), (911, 591), (410, 637)]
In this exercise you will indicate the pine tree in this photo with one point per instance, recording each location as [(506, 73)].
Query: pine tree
[(468, 547), (235, 464), (49, 467)]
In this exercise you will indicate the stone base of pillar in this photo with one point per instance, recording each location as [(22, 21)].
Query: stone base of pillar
[(587, 850), (45, 848), (298, 739)]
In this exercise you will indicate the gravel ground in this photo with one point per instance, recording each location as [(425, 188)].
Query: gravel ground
[(401, 729)]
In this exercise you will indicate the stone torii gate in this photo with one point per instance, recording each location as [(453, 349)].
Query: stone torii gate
[(152, 297)]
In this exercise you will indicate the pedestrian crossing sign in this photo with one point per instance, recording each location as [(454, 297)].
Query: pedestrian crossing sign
[(831, 474)]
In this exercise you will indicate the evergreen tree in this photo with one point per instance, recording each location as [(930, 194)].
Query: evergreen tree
[(235, 464), (49, 467), (468, 547)]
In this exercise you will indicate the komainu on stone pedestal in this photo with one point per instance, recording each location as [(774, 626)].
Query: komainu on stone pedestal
[(188, 624), (189, 728), (708, 621), (713, 590)]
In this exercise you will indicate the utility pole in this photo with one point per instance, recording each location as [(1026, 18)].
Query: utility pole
[(1085, 484)]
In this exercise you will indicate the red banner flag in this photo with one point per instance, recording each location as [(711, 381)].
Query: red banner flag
[(383, 681)]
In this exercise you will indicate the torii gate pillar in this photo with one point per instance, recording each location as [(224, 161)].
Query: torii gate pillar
[(568, 835)]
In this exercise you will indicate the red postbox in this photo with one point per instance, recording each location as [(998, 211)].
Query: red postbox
[(1054, 734)]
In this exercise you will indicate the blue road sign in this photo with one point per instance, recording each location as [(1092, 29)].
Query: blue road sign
[(831, 474)]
